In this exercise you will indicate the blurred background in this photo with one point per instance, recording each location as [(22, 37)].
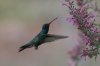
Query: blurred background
[(21, 20)]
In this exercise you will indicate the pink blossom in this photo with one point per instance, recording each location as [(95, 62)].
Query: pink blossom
[(90, 34)]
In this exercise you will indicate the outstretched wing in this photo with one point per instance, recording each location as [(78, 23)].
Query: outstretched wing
[(51, 37)]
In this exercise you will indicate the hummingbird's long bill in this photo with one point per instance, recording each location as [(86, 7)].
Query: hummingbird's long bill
[(53, 20)]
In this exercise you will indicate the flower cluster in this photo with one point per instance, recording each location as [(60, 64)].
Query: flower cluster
[(83, 18)]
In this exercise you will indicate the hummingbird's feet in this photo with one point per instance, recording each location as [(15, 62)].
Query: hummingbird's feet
[(36, 48)]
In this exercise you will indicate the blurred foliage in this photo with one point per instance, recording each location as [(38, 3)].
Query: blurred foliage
[(98, 25)]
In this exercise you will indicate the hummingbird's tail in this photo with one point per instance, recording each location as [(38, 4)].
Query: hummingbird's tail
[(25, 47)]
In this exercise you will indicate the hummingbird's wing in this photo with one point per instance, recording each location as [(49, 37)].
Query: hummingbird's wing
[(51, 37)]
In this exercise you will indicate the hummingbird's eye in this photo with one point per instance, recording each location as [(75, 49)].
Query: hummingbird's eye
[(45, 26)]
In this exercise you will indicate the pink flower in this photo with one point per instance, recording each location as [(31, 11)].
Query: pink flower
[(90, 34)]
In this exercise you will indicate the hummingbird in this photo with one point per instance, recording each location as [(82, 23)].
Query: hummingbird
[(42, 37)]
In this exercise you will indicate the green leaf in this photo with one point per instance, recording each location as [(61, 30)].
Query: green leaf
[(97, 24)]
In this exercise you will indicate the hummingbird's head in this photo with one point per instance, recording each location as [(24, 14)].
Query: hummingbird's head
[(46, 26)]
